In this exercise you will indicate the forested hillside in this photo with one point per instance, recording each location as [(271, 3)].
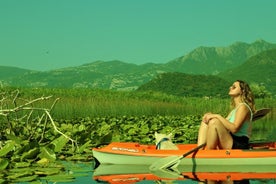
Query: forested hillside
[(7, 72), (181, 84), (259, 69)]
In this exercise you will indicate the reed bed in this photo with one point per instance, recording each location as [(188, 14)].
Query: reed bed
[(76, 103)]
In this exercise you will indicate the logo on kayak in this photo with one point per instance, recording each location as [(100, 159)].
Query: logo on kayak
[(125, 149)]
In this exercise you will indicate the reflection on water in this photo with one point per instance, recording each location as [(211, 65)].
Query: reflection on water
[(85, 173), (120, 174)]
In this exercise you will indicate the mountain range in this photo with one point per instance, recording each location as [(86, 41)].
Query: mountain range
[(254, 62)]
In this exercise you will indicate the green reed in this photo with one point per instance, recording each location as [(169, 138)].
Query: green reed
[(76, 103)]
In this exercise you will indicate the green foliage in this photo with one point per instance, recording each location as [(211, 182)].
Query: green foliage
[(180, 84), (7, 148), (260, 91), (26, 136)]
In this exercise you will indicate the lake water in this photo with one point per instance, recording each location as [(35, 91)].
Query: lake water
[(84, 174)]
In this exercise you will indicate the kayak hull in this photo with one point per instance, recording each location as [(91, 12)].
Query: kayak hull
[(262, 157)]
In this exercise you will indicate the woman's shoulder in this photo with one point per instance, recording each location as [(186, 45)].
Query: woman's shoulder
[(243, 108)]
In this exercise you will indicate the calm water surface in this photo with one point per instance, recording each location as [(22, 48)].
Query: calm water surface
[(83, 173)]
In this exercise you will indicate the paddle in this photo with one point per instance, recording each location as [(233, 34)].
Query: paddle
[(173, 161), (260, 113)]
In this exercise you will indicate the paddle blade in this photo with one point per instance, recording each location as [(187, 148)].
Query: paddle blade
[(260, 113), (166, 162), (167, 173)]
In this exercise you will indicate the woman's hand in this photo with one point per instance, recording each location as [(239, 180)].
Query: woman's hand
[(208, 116)]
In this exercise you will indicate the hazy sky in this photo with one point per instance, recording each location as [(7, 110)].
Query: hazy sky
[(51, 34)]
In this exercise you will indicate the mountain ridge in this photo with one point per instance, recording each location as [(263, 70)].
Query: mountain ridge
[(119, 75)]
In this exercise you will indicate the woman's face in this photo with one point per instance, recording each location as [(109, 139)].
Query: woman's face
[(235, 89)]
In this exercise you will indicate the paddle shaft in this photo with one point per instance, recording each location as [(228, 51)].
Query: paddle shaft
[(171, 161), (193, 150)]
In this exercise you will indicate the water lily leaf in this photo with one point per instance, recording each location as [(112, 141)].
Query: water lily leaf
[(67, 127), (2, 180), (26, 145), (116, 138), (31, 154), (132, 131), (60, 178), (3, 163), (14, 176), (79, 157), (144, 129), (48, 153), (22, 164), (84, 146), (14, 138), (82, 127), (15, 158), (26, 178), (59, 143), (104, 129), (47, 171), (20, 170), (43, 161), (7, 148)]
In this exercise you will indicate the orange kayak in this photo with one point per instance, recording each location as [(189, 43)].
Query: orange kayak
[(135, 178), (260, 158)]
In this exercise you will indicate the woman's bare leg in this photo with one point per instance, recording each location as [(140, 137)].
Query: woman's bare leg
[(202, 133), (218, 136)]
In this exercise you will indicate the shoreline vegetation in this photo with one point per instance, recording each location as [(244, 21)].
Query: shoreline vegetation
[(42, 126), (75, 103)]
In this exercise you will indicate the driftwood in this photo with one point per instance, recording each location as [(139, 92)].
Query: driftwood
[(25, 111)]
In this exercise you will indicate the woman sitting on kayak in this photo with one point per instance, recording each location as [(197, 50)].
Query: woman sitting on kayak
[(232, 132)]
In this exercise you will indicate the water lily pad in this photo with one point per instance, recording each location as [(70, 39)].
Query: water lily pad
[(20, 170), (47, 171), (59, 143), (16, 139), (48, 153), (7, 148), (2, 180), (17, 175), (43, 161), (84, 146), (3, 163), (22, 164), (27, 178), (31, 154), (77, 157), (59, 178)]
